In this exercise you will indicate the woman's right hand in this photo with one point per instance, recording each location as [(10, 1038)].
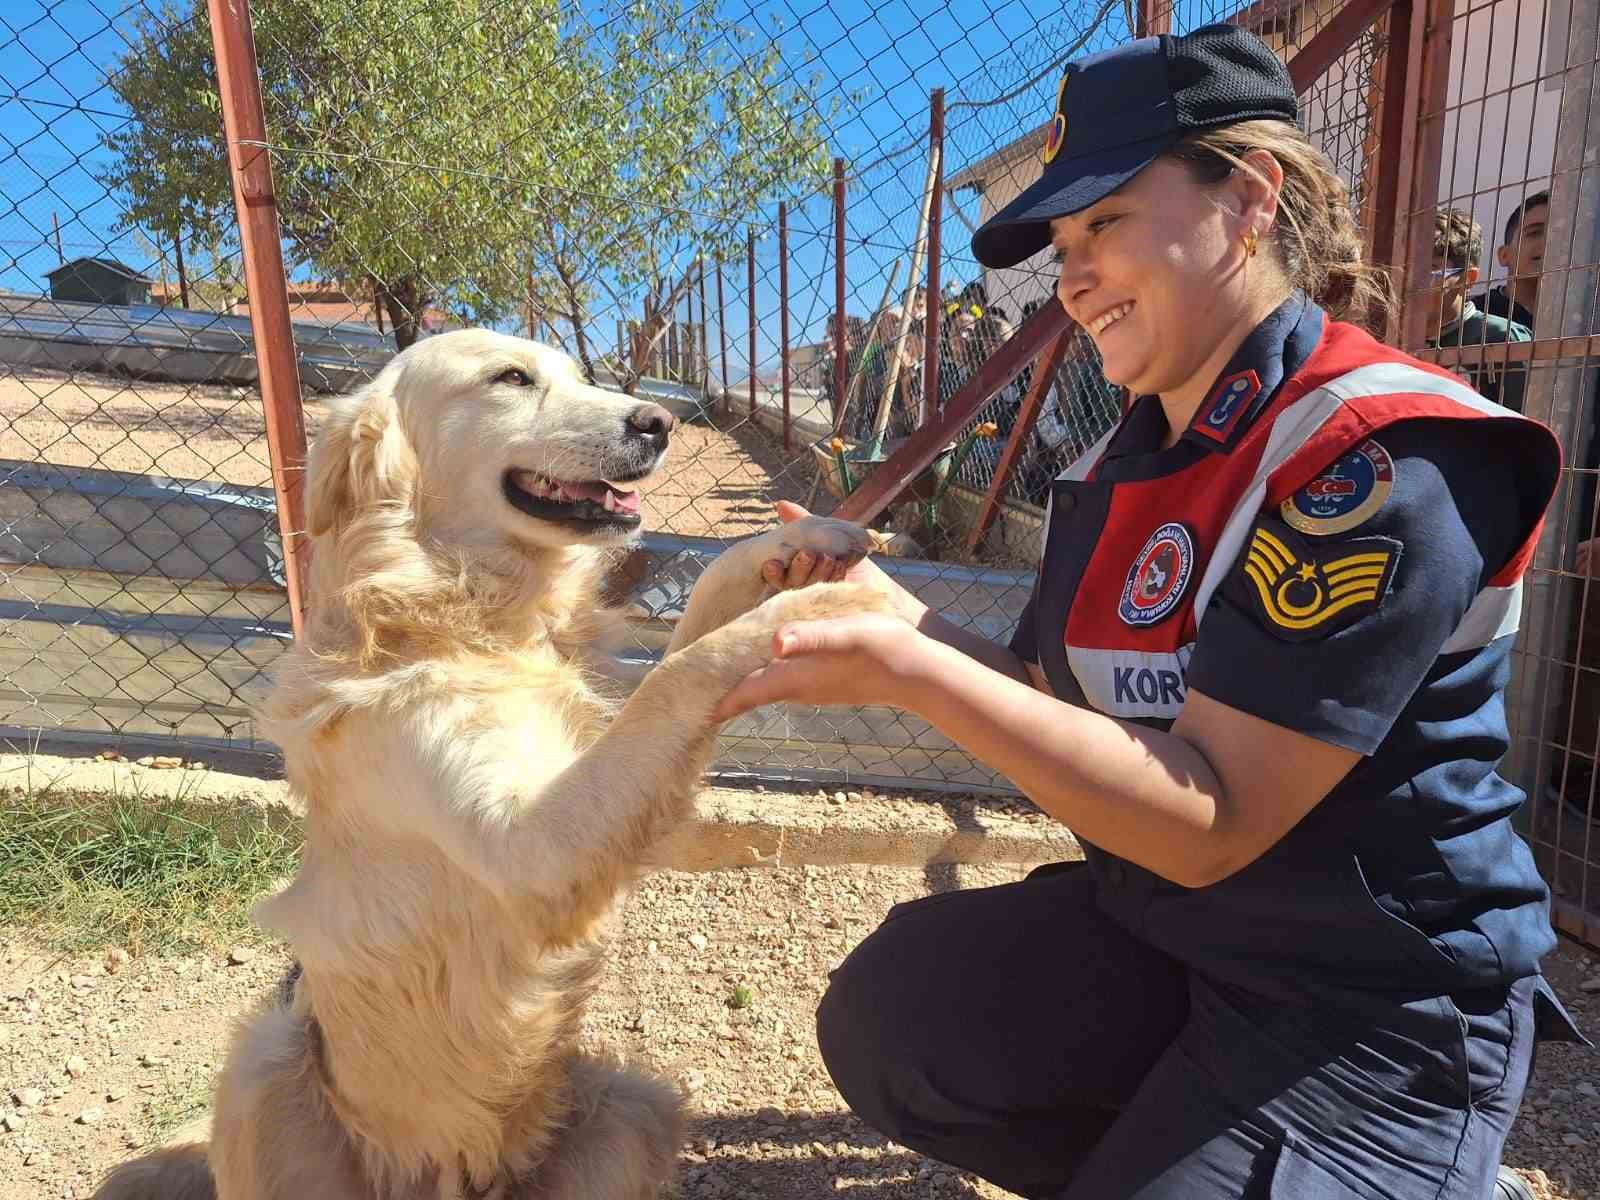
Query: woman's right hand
[(806, 569)]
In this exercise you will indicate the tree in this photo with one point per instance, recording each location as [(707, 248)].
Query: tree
[(701, 124), (447, 149)]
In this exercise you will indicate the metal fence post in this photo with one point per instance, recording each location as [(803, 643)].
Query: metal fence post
[(783, 317), (841, 355), (722, 336), (935, 308), (1438, 20), (251, 170), (705, 353), (750, 262)]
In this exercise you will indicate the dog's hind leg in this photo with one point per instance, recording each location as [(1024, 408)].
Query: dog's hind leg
[(273, 1134), (621, 1140)]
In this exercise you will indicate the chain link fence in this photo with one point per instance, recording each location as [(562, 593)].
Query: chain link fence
[(756, 213)]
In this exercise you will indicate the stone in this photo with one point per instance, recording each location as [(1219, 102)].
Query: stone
[(239, 955), (699, 941), (28, 1097), (90, 1116), (13, 1122), (77, 1067)]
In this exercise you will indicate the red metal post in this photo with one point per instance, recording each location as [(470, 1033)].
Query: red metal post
[(930, 326), (872, 496), (251, 170), (722, 336), (1153, 18), (1398, 86), (783, 318), (841, 356), (1429, 157), (1044, 374), (750, 258), (687, 341), (705, 353)]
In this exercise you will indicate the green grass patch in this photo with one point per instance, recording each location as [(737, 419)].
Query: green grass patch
[(81, 872)]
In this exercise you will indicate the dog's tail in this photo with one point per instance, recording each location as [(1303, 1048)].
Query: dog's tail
[(178, 1172)]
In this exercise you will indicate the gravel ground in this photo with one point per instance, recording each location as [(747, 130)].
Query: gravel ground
[(99, 1056), (718, 482)]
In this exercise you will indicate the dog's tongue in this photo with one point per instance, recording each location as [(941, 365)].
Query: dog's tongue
[(597, 491)]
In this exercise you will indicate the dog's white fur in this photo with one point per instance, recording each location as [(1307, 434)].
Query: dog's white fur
[(475, 804)]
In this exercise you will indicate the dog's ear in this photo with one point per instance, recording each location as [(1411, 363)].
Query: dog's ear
[(361, 458)]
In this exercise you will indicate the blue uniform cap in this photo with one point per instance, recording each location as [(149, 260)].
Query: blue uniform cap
[(1118, 111)]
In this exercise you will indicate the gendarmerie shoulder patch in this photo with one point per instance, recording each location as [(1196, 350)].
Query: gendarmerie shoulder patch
[(1299, 589), (1345, 495)]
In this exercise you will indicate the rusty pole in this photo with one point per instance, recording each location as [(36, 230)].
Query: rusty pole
[(1153, 19), (1044, 377), (705, 354), (935, 307), (783, 317), (841, 357), (722, 336), (1438, 19), (250, 168), (750, 263)]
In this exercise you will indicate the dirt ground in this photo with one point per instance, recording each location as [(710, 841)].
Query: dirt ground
[(718, 482), (112, 1055)]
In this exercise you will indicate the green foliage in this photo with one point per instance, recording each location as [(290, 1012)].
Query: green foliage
[(473, 156), (87, 872)]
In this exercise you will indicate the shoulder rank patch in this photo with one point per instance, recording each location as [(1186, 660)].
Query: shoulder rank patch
[(1299, 590), (1345, 495)]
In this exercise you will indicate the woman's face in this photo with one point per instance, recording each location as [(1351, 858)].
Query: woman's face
[(1151, 273)]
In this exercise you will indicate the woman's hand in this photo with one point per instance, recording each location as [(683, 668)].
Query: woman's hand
[(862, 659)]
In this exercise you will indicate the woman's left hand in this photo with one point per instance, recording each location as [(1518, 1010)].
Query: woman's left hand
[(860, 659)]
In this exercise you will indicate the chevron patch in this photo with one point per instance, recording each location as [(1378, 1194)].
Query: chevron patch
[(1299, 590)]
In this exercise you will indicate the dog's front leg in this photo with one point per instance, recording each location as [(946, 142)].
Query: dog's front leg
[(588, 830), (732, 585)]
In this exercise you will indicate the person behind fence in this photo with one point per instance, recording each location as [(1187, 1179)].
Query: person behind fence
[(1453, 320), (1260, 677), (1522, 255)]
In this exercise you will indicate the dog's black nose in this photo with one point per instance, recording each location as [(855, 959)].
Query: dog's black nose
[(652, 421)]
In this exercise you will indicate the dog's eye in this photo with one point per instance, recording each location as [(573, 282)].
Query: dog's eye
[(515, 377)]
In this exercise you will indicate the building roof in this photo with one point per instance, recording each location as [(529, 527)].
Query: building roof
[(1263, 17), (109, 264), (977, 174)]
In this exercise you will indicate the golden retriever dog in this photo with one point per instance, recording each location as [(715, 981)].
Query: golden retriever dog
[(476, 804)]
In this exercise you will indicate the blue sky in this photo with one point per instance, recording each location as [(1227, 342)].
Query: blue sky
[(881, 57)]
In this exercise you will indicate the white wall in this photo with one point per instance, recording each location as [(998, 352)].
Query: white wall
[(1498, 147)]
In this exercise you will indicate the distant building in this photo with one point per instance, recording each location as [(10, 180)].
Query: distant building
[(98, 281), (333, 304)]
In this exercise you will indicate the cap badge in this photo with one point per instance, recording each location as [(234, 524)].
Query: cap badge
[(1058, 126)]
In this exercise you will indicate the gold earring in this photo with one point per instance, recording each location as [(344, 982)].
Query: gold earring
[(1250, 238)]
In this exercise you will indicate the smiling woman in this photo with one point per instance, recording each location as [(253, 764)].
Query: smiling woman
[(1260, 677)]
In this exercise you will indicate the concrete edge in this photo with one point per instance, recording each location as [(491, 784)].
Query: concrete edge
[(730, 830)]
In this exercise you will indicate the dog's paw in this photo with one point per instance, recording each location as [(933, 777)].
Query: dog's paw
[(745, 645), (843, 541)]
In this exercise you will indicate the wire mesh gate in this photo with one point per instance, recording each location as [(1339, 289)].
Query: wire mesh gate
[(756, 216)]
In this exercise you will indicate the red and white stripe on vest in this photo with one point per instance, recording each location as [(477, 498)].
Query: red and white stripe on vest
[(1349, 389)]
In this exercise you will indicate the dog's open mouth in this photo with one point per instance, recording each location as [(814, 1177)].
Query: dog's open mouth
[(593, 501)]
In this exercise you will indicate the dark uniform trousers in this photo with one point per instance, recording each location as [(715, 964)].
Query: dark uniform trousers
[(1020, 1033)]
